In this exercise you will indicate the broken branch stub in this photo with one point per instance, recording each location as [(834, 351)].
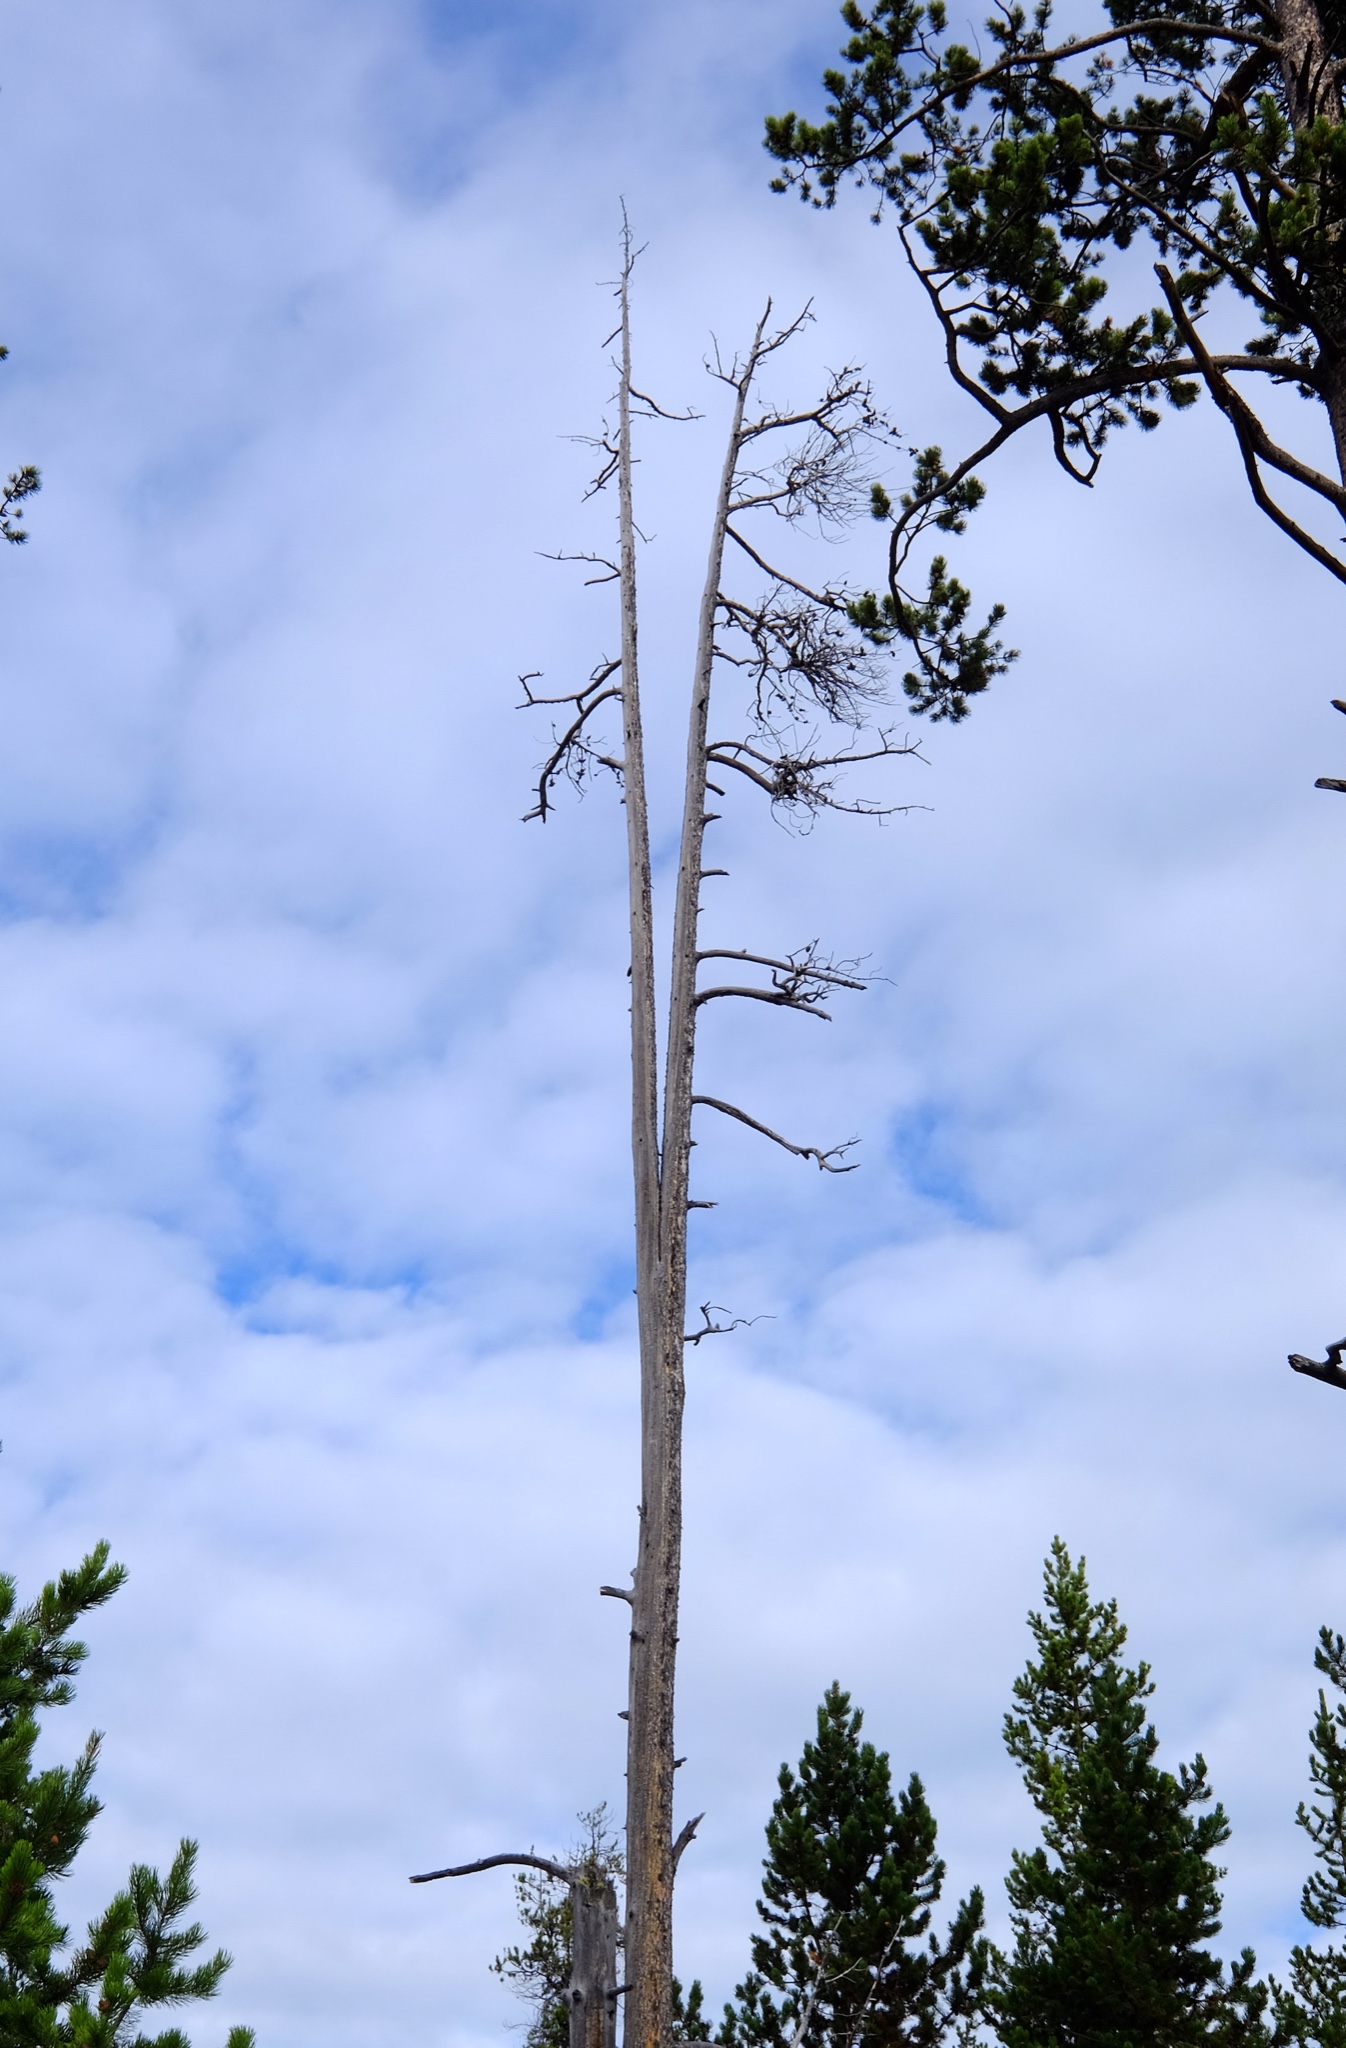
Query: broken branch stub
[(1329, 1370)]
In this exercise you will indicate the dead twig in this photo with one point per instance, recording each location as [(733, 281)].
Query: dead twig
[(824, 1159)]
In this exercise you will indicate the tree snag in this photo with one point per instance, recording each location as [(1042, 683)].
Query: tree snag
[(812, 675)]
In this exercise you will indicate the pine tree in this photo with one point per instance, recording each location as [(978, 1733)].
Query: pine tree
[(1113, 1911), (851, 1877), (135, 1954), (1028, 173), (1313, 2008)]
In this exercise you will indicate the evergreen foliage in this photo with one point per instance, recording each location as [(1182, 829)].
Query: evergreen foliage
[(135, 1955), (1312, 2009), (851, 1877), (689, 2013), (1023, 170), (539, 1969), (1113, 1911)]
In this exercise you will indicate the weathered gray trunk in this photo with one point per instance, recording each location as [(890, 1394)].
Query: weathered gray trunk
[(661, 1285), (648, 1960), (593, 1962)]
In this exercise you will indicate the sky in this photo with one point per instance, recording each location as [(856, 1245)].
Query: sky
[(314, 1204)]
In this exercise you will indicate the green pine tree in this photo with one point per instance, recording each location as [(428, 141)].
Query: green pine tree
[(851, 1877), (1112, 1913), (1313, 2008), (135, 1954)]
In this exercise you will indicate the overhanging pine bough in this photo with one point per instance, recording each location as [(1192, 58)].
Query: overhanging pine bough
[(1212, 127), (810, 667)]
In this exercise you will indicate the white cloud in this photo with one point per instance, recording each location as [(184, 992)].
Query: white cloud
[(314, 1238)]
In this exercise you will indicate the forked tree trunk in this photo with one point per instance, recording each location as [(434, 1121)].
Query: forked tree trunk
[(661, 1191), (803, 667)]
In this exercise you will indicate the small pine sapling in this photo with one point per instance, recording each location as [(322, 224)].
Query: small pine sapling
[(851, 1876)]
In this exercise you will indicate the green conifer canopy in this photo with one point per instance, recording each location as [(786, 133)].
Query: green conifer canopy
[(1027, 171), (851, 1875), (135, 1953), (1113, 1911)]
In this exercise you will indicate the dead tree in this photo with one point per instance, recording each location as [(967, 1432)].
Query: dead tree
[(593, 1992), (811, 686)]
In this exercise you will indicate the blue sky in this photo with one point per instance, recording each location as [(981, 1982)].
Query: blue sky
[(313, 1197)]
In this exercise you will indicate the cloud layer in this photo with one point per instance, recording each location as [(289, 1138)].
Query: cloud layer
[(313, 1203)]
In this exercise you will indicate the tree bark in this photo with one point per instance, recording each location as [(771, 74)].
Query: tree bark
[(593, 1962), (648, 1956), (662, 1285)]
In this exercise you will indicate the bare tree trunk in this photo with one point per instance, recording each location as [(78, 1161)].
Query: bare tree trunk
[(808, 668), (593, 1961), (591, 1995), (649, 1809), (663, 1321)]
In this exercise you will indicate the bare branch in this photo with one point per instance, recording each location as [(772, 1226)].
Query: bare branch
[(764, 995), (572, 754), (741, 372), (596, 680), (831, 599), (618, 1593), (604, 476), (611, 570), (1256, 445), (801, 782), (557, 1870), (568, 757), (656, 411), (796, 962), (798, 982), (721, 1329), (804, 656), (846, 388), (824, 1159)]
